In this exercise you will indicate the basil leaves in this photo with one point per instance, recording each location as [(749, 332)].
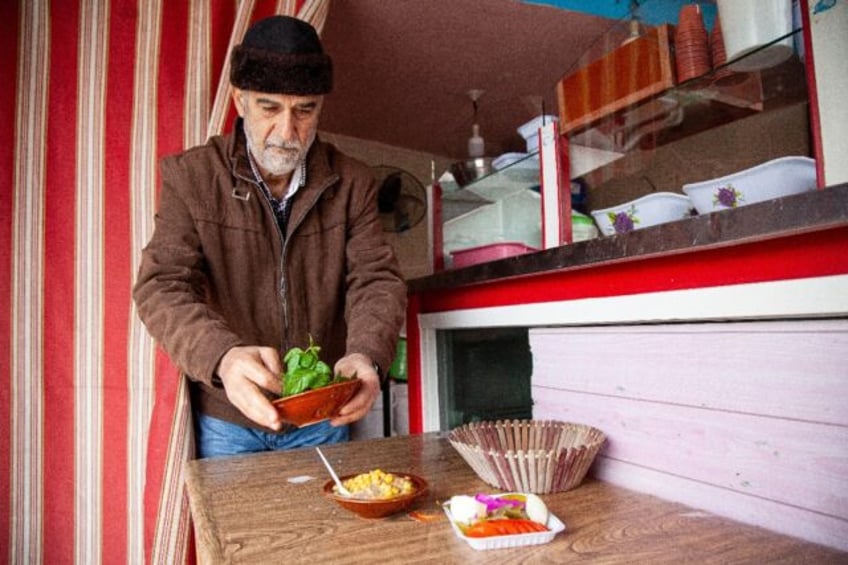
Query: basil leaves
[(305, 370)]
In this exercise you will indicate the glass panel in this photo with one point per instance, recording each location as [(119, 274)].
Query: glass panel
[(484, 374), (665, 133)]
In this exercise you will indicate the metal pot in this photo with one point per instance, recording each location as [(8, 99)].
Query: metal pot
[(470, 170)]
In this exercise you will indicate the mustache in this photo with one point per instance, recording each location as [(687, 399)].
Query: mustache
[(286, 145)]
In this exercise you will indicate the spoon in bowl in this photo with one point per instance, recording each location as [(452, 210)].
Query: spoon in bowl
[(342, 490)]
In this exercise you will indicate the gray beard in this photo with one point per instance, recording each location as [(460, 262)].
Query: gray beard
[(274, 161)]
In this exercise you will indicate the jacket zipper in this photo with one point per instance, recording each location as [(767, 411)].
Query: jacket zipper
[(327, 183), (286, 341), (284, 315)]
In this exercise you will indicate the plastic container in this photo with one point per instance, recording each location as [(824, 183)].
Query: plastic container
[(649, 210), (783, 176), (371, 426), (486, 253), (505, 160), (398, 369), (554, 525), (530, 131), (514, 218), (747, 26), (582, 227), (400, 409)]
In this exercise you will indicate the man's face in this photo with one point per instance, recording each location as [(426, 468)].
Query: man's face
[(280, 128)]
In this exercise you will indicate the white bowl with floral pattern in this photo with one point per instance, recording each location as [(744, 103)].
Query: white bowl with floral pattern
[(779, 177), (649, 210)]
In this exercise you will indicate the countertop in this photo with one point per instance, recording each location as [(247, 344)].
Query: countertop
[(783, 217), (269, 508)]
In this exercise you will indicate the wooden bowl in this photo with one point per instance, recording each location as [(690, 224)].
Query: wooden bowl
[(316, 405), (378, 508)]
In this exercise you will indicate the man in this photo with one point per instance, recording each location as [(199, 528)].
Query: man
[(264, 238)]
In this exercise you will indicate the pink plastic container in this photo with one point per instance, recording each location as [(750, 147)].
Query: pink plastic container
[(485, 253)]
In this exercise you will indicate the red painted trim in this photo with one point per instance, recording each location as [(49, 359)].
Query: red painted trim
[(438, 229), (60, 293), (8, 69), (814, 254), (812, 94), (807, 255), (563, 187), (413, 361)]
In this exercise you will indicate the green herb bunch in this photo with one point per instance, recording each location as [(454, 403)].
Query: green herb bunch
[(305, 370)]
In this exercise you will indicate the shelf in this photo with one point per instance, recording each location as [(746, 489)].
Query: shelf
[(785, 218), (632, 129), (503, 206), (724, 121), (657, 116), (521, 175)]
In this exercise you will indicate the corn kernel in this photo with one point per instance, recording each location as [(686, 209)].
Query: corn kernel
[(379, 485)]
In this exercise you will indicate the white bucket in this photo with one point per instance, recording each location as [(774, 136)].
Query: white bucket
[(400, 409), (371, 426), (747, 25)]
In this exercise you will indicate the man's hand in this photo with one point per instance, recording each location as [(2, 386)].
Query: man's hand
[(243, 371), (360, 404)]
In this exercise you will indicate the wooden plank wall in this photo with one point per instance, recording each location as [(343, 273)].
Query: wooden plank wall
[(748, 420)]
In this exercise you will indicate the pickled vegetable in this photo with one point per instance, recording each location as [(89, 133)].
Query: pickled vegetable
[(503, 527), (486, 515)]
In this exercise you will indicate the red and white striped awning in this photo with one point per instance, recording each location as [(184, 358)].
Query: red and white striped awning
[(97, 418)]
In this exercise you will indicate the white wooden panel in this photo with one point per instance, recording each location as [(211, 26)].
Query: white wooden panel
[(797, 298), (786, 519), (795, 370), (787, 461), (429, 381)]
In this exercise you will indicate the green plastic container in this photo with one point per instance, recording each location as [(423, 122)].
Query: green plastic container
[(398, 369)]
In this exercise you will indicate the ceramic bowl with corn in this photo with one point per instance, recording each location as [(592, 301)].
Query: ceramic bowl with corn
[(377, 493)]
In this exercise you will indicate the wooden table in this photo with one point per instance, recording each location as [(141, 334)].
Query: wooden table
[(254, 509)]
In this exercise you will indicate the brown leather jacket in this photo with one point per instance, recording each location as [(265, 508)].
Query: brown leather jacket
[(217, 273)]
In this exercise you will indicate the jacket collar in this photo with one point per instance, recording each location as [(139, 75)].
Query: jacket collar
[(237, 153)]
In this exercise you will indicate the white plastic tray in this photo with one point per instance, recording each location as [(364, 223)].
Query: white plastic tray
[(554, 525)]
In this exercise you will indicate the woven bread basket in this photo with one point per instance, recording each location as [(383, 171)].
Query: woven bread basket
[(538, 456)]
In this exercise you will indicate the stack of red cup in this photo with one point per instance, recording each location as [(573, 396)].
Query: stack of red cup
[(691, 44), (719, 55)]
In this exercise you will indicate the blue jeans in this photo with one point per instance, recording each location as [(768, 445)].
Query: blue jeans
[(217, 437)]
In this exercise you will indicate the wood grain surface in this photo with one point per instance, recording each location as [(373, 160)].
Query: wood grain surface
[(268, 508)]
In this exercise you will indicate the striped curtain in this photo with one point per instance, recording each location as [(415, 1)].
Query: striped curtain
[(95, 417)]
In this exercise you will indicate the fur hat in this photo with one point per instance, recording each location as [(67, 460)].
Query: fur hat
[(281, 55)]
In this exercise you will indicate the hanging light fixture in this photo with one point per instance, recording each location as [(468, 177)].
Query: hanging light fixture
[(636, 27), (476, 144)]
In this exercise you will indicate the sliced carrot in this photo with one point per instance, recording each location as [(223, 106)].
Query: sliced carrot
[(503, 527)]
